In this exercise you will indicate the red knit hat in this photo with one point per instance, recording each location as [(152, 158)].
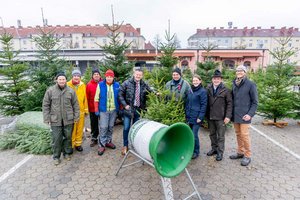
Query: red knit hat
[(109, 73)]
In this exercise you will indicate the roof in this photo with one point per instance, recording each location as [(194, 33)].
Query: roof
[(66, 30), (246, 32), (149, 46), (232, 54)]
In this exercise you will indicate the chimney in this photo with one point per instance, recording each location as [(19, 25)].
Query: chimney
[(272, 27), (222, 28), (259, 27), (296, 29), (67, 25), (19, 23), (198, 30), (138, 30)]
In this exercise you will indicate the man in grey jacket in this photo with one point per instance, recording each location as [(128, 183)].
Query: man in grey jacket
[(60, 111), (245, 101)]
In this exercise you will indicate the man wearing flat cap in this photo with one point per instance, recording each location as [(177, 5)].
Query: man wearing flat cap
[(61, 111), (79, 87), (219, 112), (245, 101)]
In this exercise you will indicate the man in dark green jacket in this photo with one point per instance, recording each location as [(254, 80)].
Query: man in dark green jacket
[(60, 111)]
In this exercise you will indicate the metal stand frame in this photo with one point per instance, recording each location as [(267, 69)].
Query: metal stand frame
[(166, 181)]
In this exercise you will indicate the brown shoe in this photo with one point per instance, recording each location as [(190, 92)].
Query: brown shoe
[(93, 143), (124, 150)]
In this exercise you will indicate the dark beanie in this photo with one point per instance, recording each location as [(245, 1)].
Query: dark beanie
[(60, 74), (95, 71), (177, 70)]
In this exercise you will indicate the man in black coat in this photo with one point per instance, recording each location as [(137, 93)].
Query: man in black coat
[(219, 112), (245, 101), (132, 96)]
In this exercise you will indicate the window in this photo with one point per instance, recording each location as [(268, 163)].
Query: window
[(24, 42), (226, 41), (290, 45), (250, 44), (266, 41), (83, 41), (104, 41)]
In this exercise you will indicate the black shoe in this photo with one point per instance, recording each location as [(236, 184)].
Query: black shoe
[(245, 161), (194, 156), (79, 148), (219, 157), (236, 156), (211, 152)]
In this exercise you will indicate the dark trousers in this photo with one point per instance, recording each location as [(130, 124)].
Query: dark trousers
[(94, 119), (217, 135), (61, 140), (195, 128)]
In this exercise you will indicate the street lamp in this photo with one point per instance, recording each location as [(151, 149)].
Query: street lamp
[(2, 22)]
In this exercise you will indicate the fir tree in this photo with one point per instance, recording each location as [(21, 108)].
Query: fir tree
[(276, 99), (13, 85), (115, 58), (87, 75), (42, 75), (206, 70)]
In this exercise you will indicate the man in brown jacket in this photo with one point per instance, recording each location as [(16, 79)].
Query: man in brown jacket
[(219, 112), (60, 111)]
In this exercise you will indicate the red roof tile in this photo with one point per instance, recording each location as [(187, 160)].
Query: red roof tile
[(89, 30), (247, 32)]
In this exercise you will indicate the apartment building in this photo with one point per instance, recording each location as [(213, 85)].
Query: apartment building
[(74, 37), (246, 38)]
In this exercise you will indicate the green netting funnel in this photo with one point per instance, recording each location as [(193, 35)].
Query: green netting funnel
[(171, 149)]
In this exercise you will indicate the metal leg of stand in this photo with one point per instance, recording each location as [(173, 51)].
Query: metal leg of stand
[(126, 155), (194, 186), (167, 186)]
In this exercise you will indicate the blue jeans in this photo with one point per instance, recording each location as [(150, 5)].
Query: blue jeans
[(195, 128), (127, 125), (106, 125)]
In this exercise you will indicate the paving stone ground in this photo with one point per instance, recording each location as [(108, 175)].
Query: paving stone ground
[(273, 173)]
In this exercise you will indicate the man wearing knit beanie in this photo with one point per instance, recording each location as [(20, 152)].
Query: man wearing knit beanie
[(107, 106), (178, 86), (76, 84), (90, 95)]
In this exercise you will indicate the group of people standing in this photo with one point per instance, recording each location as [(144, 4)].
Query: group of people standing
[(219, 105), (66, 104)]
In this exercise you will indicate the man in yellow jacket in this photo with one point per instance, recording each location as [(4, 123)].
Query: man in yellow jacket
[(79, 87)]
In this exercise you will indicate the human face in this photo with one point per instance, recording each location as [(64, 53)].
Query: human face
[(61, 81), (96, 76), (76, 78), (240, 73), (176, 76), (138, 75), (196, 82), (109, 79), (216, 81)]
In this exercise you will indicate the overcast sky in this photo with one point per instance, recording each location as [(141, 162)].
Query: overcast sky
[(152, 15)]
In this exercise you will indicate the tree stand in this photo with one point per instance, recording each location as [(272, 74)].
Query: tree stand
[(166, 182)]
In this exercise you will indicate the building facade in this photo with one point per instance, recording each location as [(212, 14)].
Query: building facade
[(76, 37), (246, 38)]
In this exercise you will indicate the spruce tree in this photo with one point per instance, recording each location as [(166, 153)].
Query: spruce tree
[(14, 84), (206, 70), (276, 98), (115, 58), (42, 75)]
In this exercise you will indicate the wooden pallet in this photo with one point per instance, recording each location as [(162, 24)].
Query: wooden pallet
[(279, 124)]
